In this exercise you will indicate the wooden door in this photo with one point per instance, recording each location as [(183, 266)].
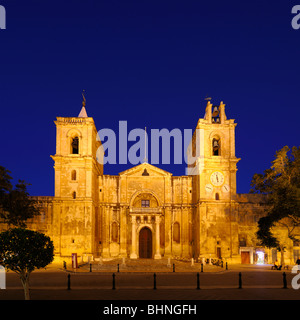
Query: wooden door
[(145, 243), (245, 257)]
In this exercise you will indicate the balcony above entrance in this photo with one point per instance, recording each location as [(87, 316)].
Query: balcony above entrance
[(142, 210)]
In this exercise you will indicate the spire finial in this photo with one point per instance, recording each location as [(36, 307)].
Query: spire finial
[(83, 113), (84, 100)]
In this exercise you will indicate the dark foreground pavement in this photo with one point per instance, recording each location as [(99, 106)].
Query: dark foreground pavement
[(257, 284), (159, 294)]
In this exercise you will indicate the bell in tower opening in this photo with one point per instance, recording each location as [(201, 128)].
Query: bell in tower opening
[(215, 115), (216, 147), (75, 145)]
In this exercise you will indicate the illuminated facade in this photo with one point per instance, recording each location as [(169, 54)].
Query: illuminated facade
[(146, 212)]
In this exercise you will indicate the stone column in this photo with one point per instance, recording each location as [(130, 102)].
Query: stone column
[(157, 238), (168, 233), (123, 231), (133, 254), (105, 231)]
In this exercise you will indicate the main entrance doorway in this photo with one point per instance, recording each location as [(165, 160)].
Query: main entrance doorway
[(145, 243)]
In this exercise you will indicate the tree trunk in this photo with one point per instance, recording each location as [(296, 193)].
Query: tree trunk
[(25, 282)]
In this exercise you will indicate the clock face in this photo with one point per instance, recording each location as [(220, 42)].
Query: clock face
[(217, 178), (209, 188)]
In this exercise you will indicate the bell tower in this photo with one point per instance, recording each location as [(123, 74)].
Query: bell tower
[(213, 148), (213, 165), (77, 171), (76, 166)]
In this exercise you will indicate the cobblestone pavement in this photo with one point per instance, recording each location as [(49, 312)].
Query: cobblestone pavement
[(147, 265), (135, 281)]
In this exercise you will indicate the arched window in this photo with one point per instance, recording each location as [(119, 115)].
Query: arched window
[(217, 196), (114, 232), (176, 232), (75, 145), (216, 147), (74, 195), (73, 175)]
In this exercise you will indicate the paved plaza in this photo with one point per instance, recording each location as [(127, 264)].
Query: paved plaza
[(135, 281)]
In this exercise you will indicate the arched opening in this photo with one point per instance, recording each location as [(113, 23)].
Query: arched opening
[(216, 147), (73, 175), (75, 145), (217, 196), (144, 200), (145, 243), (176, 232)]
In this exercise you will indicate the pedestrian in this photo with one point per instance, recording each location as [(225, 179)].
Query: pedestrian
[(298, 261)]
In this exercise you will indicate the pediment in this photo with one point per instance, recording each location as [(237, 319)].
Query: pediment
[(145, 169)]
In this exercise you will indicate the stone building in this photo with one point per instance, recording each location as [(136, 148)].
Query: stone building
[(146, 212)]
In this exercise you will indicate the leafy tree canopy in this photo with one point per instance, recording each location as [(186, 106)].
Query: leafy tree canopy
[(281, 184), (23, 251), (5, 184), (16, 206)]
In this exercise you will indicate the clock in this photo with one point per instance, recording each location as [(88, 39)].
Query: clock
[(225, 188), (209, 188), (217, 178)]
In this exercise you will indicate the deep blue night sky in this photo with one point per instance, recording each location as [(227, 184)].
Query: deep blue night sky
[(151, 63)]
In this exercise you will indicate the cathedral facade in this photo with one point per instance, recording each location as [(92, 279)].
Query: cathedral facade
[(146, 212)]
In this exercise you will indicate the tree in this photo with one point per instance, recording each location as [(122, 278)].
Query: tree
[(18, 206), (5, 184), (23, 251), (281, 185)]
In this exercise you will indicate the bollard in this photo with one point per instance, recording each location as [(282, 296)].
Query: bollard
[(201, 267), (154, 281), (90, 267), (173, 267), (198, 281), (240, 280), (69, 281), (284, 281), (118, 268), (114, 282), (226, 266)]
